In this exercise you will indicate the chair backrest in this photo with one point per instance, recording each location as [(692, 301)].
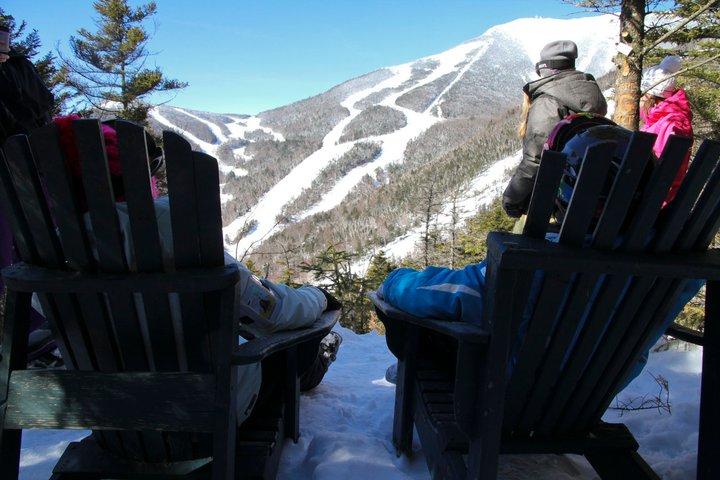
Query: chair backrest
[(583, 332), (40, 202), (114, 331)]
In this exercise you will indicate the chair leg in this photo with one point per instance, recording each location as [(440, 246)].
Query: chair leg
[(12, 357), (404, 396), (708, 462), (10, 441), (621, 465), (291, 392)]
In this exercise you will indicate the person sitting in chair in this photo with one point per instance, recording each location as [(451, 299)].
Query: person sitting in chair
[(262, 307), (458, 294)]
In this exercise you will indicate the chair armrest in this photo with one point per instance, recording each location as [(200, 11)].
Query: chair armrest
[(517, 252), (458, 330), (22, 277), (259, 348), (685, 334)]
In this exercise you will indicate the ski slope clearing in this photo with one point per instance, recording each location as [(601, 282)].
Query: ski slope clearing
[(346, 426), (479, 193), (209, 148)]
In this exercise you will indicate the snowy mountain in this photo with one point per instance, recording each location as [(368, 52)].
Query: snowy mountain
[(342, 166)]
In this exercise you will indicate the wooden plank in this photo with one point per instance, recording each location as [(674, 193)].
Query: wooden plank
[(542, 201), (186, 244), (708, 463), (223, 338), (488, 420), (148, 255), (612, 288), (87, 459), (45, 144), (530, 254), (28, 278), (685, 334), (618, 202), (619, 465), (102, 401), (458, 330), (405, 392)]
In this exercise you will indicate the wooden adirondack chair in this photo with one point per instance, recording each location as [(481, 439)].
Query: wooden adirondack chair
[(590, 309), (156, 388)]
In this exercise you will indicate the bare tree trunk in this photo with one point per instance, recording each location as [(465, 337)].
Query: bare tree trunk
[(627, 84)]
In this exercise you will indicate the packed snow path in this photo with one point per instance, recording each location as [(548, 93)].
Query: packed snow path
[(346, 426)]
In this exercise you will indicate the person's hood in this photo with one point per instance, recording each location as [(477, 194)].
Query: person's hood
[(576, 90), (676, 106)]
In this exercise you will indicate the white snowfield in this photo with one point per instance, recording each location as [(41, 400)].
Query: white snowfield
[(595, 37), (346, 426)]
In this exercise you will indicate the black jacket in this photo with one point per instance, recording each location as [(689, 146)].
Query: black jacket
[(553, 97), (25, 101)]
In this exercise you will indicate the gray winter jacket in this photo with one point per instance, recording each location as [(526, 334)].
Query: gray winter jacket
[(553, 97)]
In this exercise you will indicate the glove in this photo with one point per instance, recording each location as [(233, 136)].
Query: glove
[(332, 302), (517, 195)]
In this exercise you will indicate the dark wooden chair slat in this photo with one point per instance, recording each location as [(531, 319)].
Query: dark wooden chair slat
[(30, 190), (632, 318), (186, 243), (610, 293), (617, 204), (556, 287), (148, 253), (45, 144), (542, 201)]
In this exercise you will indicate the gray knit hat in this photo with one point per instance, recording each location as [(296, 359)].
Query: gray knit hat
[(558, 55)]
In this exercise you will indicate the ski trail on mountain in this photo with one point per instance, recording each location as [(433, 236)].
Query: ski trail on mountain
[(395, 143), (214, 128), (480, 52), (209, 148), (270, 205)]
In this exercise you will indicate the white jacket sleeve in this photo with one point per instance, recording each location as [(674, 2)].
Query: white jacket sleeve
[(266, 307)]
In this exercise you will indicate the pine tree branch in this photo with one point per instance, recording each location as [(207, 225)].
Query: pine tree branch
[(677, 28)]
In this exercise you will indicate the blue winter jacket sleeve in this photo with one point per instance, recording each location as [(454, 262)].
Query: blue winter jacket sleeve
[(438, 292)]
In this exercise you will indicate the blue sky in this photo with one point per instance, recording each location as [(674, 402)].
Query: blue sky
[(248, 56)]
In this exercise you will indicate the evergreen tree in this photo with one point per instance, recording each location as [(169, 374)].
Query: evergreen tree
[(332, 268), (473, 241), (29, 44), (379, 268), (109, 69)]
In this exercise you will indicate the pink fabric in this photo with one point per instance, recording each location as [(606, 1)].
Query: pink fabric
[(72, 157), (672, 116)]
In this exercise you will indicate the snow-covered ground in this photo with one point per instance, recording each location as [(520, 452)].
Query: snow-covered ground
[(346, 426)]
